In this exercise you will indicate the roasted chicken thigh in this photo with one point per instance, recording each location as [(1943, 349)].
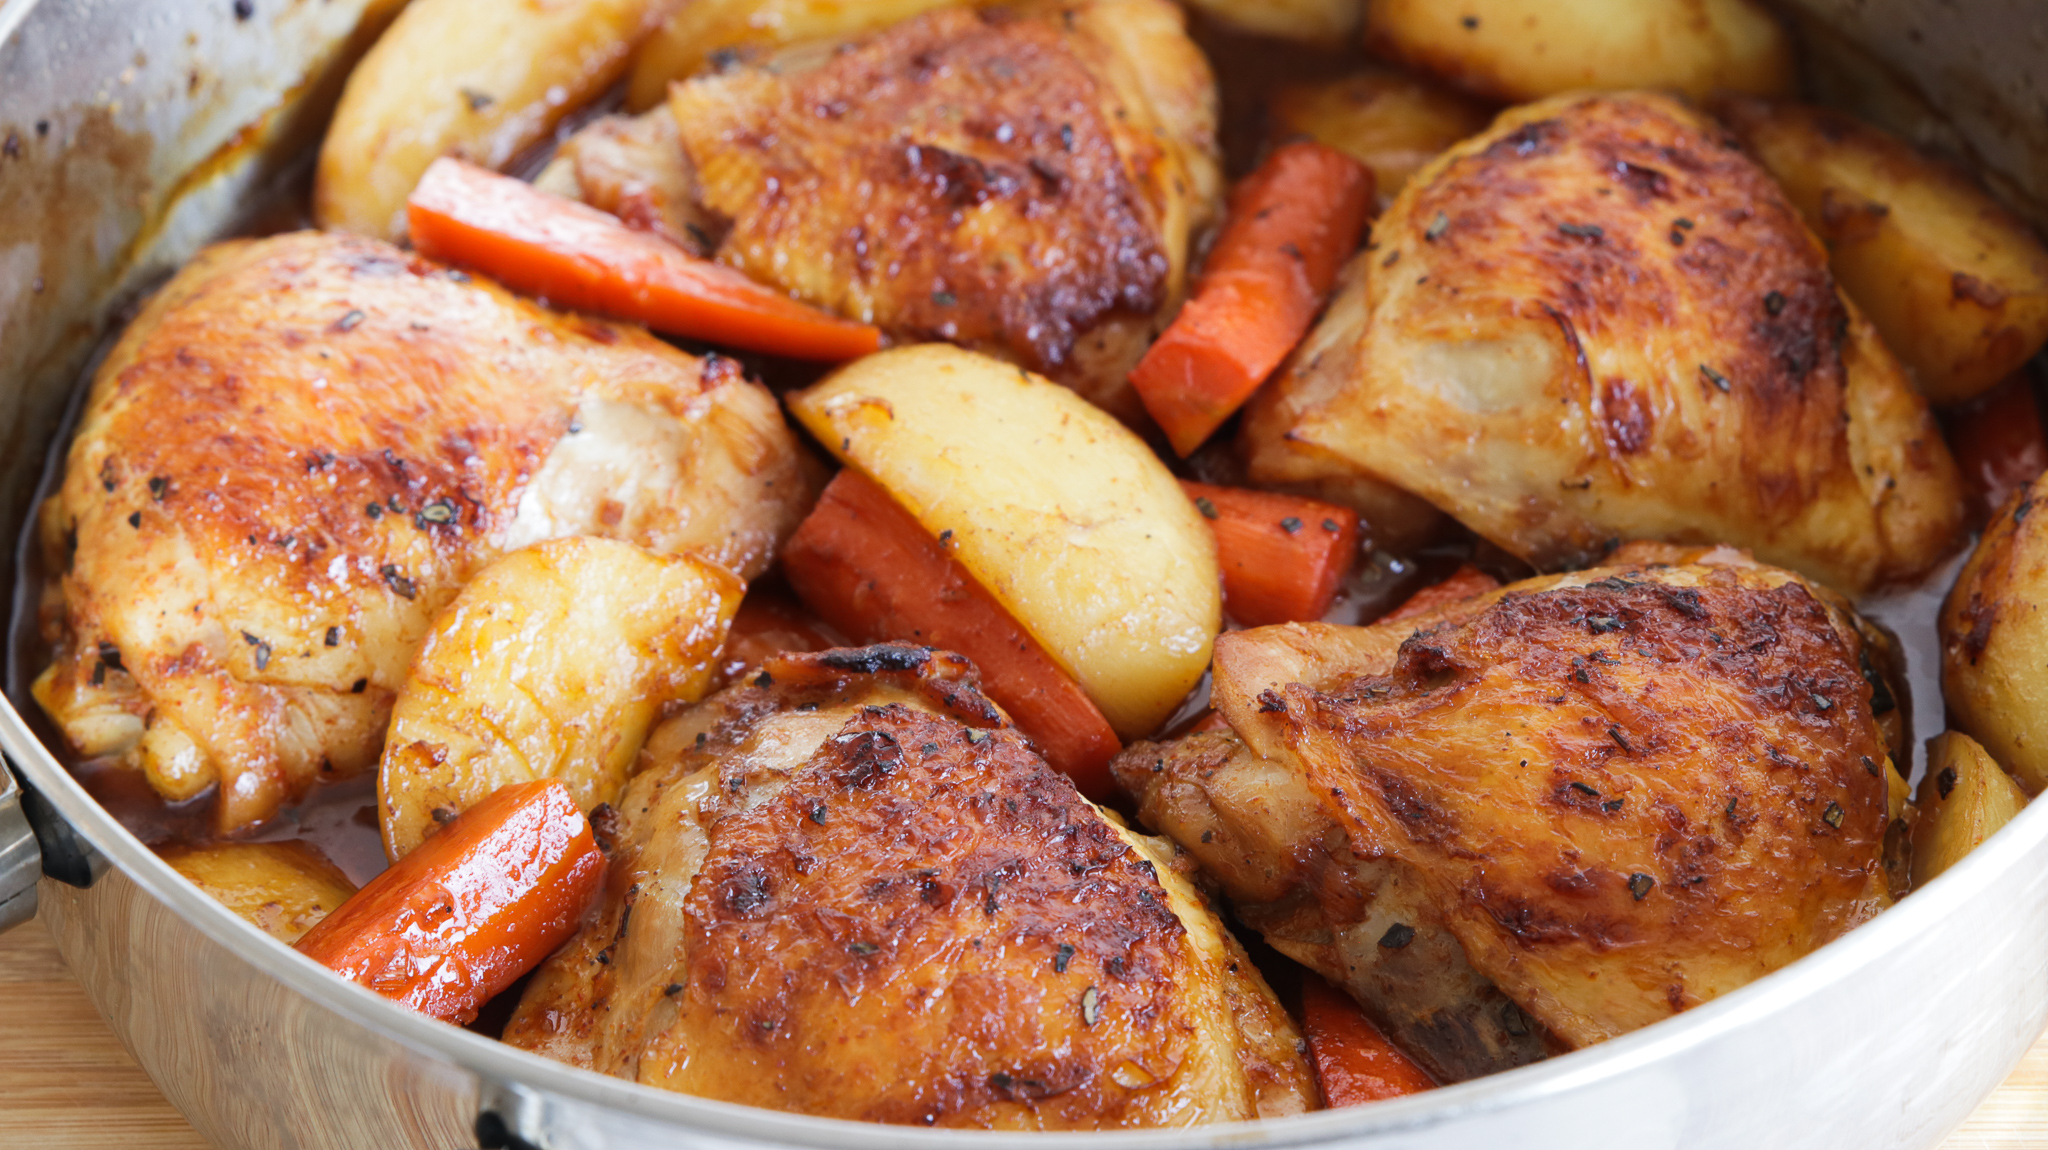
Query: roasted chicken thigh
[(1599, 319), (304, 446), (1026, 182), (848, 887), (1552, 814)]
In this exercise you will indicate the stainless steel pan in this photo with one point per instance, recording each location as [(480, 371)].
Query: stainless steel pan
[(131, 132)]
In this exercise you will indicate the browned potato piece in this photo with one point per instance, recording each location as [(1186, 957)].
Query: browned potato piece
[(1518, 50), (552, 663), (1964, 799), (1994, 641), (1957, 286), (1391, 122), (1325, 22), (482, 81), (284, 888)]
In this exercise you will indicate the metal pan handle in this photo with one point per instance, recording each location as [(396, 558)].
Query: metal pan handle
[(36, 841)]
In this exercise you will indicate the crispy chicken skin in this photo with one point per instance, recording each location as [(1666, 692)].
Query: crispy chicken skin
[(303, 447), (1598, 320), (848, 887), (1608, 796), (1025, 182)]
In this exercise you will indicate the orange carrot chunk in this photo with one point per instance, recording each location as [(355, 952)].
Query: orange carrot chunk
[(579, 257), (1282, 556), (1292, 224), (1354, 1061), (1461, 585), (478, 904), (1998, 444), (871, 570)]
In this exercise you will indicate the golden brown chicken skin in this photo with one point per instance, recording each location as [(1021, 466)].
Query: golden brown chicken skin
[(303, 447), (1024, 181), (1597, 320), (849, 888), (1609, 796)]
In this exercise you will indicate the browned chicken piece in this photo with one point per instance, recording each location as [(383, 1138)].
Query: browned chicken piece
[(1025, 182), (848, 887), (1551, 814), (1599, 319), (634, 168), (303, 447)]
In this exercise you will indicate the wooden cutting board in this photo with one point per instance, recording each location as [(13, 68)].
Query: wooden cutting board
[(66, 1084)]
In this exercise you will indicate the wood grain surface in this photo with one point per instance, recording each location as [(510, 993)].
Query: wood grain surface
[(66, 1083)]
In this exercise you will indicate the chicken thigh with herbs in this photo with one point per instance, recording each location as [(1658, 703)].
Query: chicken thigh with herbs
[(300, 451), (1551, 814), (1025, 181), (1599, 319), (848, 887)]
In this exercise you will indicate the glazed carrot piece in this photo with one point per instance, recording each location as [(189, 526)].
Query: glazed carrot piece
[(479, 903), (1354, 1061), (1998, 444), (580, 257), (1292, 224), (1461, 584), (1282, 556), (871, 570)]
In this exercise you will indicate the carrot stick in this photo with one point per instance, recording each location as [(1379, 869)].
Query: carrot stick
[(1998, 444), (479, 903), (1282, 556), (580, 257), (870, 569), (1462, 584), (1354, 1061), (1292, 224)]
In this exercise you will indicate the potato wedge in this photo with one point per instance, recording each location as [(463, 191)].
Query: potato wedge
[(1323, 22), (1957, 286), (1964, 799), (481, 81), (1994, 641), (552, 663), (1519, 50), (1389, 121), (285, 888), (1063, 514), (686, 40)]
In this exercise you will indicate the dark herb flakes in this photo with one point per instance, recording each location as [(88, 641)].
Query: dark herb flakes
[(1061, 957), (157, 486), (1833, 815), (1330, 525), (399, 584), (1207, 508), (349, 320), (1716, 378), (1583, 231), (135, 519), (1291, 525), (1640, 884), (262, 650), (1774, 302), (862, 948), (1437, 227), (333, 637), (1945, 782), (1398, 936), (1585, 790)]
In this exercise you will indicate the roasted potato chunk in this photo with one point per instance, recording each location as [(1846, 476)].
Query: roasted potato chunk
[(1325, 22), (1994, 641), (1063, 514), (285, 888), (552, 663), (1957, 286), (1964, 799), (1389, 121), (1517, 50), (481, 81), (698, 29)]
